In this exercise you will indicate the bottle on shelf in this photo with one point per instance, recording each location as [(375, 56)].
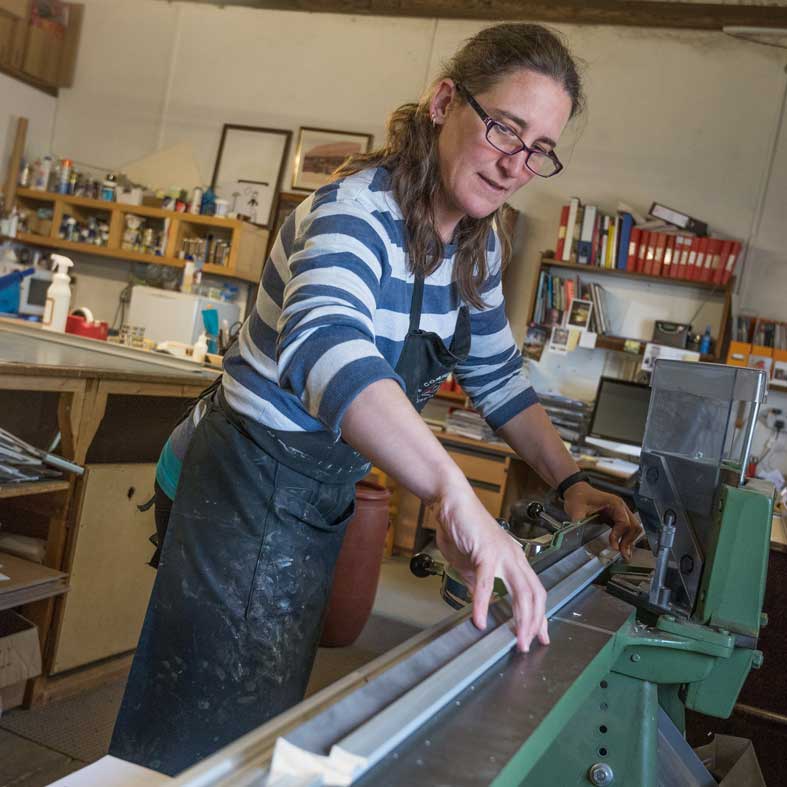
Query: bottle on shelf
[(705, 342), (58, 296)]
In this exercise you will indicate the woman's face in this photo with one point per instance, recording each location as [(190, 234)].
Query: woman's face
[(477, 178)]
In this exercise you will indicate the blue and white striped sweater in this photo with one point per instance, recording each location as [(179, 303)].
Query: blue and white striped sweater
[(333, 311)]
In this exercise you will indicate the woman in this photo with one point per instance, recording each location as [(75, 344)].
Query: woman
[(377, 287)]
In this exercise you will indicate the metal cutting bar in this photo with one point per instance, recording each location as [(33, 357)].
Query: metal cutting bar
[(385, 731)]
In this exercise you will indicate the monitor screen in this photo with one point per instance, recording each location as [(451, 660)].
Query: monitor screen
[(620, 411)]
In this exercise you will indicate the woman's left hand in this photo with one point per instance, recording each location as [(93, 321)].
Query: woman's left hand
[(581, 500)]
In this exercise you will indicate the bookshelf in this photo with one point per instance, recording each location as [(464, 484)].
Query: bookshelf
[(617, 343)]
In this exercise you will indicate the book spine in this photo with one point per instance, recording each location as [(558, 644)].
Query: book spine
[(561, 232), (633, 250), (625, 225), (732, 259), (658, 252), (669, 248), (573, 209)]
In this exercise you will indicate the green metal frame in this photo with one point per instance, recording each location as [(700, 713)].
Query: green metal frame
[(610, 714)]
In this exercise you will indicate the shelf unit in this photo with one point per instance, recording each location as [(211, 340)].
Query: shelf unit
[(618, 343), (247, 249), (25, 488)]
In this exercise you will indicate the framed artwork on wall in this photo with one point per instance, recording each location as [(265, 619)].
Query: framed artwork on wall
[(320, 151), (286, 202), (249, 169)]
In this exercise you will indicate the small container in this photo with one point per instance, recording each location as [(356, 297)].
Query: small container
[(188, 277), (200, 348), (222, 207), (64, 178), (705, 342), (196, 200), (24, 176), (109, 189)]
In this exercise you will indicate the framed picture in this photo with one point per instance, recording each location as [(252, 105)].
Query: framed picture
[(578, 315), (286, 202), (249, 169), (320, 151)]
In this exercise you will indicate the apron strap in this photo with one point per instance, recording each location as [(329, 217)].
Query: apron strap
[(416, 303)]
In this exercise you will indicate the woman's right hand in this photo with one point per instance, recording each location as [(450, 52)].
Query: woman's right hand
[(480, 550)]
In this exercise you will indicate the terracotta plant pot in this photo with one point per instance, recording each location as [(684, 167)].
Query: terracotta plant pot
[(358, 568)]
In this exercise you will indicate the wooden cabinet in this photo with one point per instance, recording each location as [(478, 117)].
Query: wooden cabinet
[(113, 410), (110, 576), (37, 50)]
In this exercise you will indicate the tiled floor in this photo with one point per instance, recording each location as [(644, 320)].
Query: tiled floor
[(41, 745)]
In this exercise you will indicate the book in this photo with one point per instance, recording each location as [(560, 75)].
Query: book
[(585, 241), (669, 248), (732, 258), (684, 256), (612, 242), (650, 253), (571, 221), (642, 252), (724, 253), (625, 225), (561, 232), (691, 261), (633, 249), (603, 242), (658, 252)]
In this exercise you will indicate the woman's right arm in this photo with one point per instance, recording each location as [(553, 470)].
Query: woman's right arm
[(381, 424)]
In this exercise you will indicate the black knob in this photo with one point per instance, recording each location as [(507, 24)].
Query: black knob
[(534, 510), (422, 565)]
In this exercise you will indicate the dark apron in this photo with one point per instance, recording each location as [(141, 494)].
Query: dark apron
[(246, 570)]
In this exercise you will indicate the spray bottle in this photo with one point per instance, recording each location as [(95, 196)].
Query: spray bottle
[(58, 296)]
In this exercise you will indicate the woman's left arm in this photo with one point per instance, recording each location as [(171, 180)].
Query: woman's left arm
[(531, 434)]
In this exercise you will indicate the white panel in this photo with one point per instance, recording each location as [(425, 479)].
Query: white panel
[(20, 100), (112, 114), (286, 70)]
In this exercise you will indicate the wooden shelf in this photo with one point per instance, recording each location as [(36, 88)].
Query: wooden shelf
[(32, 488), (617, 272), (777, 385), (122, 207), (247, 249)]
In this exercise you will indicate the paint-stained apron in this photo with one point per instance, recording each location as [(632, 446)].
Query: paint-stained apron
[(236, 612)]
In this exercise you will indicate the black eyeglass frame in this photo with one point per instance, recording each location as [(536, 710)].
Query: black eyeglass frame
[(490, 122)]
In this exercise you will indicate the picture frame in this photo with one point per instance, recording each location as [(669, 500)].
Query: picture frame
[(579, 313), (286, 202), (320, 151), (249, 169)]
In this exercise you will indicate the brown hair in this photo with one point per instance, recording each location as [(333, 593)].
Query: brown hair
[(410, 150)]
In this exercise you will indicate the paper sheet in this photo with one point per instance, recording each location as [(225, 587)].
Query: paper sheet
[(293, 766)]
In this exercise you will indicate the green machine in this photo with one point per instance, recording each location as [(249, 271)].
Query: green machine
[(632, 645)]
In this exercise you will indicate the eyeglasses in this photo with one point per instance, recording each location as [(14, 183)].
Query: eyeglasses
[(543, 163)]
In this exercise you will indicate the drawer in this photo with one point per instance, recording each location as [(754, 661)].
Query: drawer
[(490, 498), (489, 469)]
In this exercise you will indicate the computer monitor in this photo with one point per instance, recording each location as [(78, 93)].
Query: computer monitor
[(620, 411)]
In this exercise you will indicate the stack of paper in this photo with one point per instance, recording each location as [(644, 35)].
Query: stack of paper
[(22, 581), (21, 462)]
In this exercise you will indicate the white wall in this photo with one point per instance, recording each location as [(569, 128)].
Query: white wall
[(20, 100)]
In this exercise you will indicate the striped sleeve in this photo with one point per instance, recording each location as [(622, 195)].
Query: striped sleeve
[(493, 375), (326, 353)]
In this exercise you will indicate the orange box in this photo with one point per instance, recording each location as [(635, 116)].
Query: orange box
[(738, 354), (761, 357)]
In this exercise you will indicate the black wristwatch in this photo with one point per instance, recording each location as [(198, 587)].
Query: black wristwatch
[(566, 483)]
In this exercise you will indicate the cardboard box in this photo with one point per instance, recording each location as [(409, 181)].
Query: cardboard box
[(733, 761), (20, 658)]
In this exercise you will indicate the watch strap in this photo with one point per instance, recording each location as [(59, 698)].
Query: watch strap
[(568, 482)]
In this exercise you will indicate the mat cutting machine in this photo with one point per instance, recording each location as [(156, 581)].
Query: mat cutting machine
[(604, 703)]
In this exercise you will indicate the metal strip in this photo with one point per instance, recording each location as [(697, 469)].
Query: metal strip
[(385, 731), (678, 763)]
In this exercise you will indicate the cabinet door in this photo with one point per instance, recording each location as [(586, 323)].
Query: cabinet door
[(110, 578)]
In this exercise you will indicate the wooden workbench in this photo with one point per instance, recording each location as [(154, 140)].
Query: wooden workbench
[(113, 408)]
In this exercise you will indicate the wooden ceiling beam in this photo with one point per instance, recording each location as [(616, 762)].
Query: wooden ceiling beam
[(633, 13)]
